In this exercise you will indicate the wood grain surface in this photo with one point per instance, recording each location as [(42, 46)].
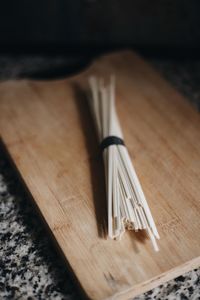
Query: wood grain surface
[(49, 133)]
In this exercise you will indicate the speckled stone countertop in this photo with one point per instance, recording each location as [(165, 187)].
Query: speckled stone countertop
[(31, 266)]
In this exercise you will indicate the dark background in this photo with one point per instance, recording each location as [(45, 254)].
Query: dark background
[(162, 27)]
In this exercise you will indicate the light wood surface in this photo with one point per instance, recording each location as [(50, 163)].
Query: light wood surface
[(48, 131)]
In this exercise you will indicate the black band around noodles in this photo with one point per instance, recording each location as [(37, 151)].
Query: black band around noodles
[(111, 140)]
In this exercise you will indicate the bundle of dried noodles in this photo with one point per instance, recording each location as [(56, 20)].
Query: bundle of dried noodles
[(127, 205)]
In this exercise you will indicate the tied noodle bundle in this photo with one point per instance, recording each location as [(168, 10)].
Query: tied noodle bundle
[(127, 205)]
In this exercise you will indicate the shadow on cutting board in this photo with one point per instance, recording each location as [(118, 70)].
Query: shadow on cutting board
[(97, 174)]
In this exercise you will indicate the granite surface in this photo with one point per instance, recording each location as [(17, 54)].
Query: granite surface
[(31, 266)]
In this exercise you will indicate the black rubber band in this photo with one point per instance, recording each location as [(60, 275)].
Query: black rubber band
[(111, 140)]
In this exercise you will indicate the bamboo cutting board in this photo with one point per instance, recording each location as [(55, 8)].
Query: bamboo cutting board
[(48, 131)]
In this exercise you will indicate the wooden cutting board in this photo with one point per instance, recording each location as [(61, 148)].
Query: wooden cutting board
[(48, 131)]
